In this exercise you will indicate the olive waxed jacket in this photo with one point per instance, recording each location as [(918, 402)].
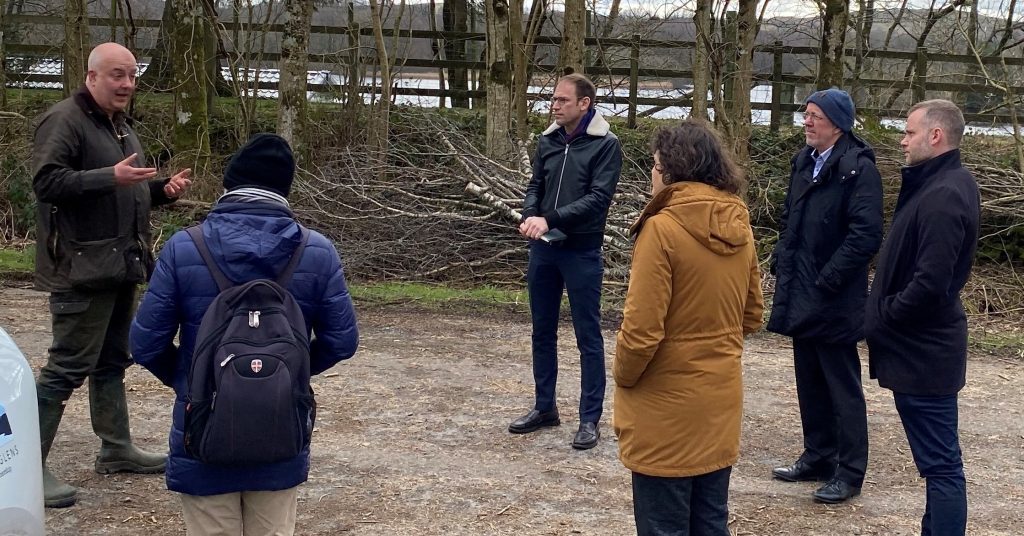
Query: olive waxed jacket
[(91, 233)]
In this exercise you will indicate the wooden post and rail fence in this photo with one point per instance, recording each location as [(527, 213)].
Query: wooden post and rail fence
[(783, 84)]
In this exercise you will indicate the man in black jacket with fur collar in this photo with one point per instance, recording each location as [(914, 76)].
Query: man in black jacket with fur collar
[(915, 323), (831, 227), (575, 171)]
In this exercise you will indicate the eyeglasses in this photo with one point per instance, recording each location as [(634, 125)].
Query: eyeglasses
[(813, 117), (562, 101)]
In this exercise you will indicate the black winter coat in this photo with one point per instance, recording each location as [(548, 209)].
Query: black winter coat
[(831, 227), (573, 184), (916, 326)]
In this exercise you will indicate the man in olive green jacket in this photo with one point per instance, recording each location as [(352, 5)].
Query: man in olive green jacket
[(92, 250)]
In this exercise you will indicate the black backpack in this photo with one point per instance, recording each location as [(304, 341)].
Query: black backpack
[(249, 397)]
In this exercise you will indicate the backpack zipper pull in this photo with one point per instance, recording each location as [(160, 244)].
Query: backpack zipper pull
[(226, 359), (254, 319)]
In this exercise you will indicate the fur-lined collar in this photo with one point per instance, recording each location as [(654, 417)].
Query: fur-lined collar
[(598, 127)]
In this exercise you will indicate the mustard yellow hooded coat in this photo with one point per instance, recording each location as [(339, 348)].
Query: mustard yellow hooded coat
[(694, 292)]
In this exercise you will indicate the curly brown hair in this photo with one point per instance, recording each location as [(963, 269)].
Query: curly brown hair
[(693, 151)]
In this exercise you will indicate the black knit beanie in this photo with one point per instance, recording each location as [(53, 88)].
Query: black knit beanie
[(837, 105), (265, 162)]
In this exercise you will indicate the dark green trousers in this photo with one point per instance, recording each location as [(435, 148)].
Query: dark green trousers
[(90, 338)]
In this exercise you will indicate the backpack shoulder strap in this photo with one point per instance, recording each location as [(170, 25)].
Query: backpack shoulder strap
[(289, 270), (196, 232)]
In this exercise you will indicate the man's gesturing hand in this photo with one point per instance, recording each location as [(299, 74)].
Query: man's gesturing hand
[(125, 174), (179, 184)]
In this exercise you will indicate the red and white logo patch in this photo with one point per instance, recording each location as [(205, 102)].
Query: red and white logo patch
[(256, 365)]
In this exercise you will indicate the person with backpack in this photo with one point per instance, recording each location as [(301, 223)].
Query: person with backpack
[(261, 304)]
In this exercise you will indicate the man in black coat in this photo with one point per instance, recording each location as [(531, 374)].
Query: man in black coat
[(831, 227), (915, 324)]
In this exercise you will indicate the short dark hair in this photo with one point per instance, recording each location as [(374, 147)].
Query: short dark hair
[(694, 152), (584, 87), (945, 115)]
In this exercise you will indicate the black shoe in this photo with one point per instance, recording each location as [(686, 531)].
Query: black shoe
[(801, 472), (835, 491), (586, 436), (533, 421)]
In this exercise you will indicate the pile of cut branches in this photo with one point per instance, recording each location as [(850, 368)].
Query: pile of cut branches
[(438, 210)]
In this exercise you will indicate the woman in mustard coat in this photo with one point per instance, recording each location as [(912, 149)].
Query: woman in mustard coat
[(694, 292)]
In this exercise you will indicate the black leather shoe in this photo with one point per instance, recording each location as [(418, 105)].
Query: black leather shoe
[(835, 491), (533, 421), (800, 472), (586, 436)]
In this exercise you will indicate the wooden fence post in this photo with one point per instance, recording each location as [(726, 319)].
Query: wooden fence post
[(634, 79), (920, 74), (773, 124)]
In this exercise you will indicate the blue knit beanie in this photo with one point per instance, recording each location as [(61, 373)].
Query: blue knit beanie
[(837, 105)]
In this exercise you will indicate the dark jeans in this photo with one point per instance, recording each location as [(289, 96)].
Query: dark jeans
[(579, 272), (90, 338), (832, 409), (695, 506), (931, 426)]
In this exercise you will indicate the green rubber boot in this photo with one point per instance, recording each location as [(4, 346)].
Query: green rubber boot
[(56, 493), (109, 410)]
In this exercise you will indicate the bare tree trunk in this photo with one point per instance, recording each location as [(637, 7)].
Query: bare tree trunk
[(865, 21), (896, 22), (191, 135), (291, 113), (833, 41), (499, 81), (534, 25), (746, 32), (606, 32), (1007, 29), (455, 18), (701, 57), (613, 17), (76, 44), (574, 29), (381, 118), (437, 51), (3, 57), (520, 68), (933, 18), (159, 75), (963, 98)]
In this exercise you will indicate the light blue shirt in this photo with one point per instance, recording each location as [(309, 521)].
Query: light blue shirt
[(819, 160)]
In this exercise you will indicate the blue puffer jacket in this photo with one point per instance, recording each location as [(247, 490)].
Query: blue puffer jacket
[(249, 241)]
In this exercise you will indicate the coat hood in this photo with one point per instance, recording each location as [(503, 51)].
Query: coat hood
[(717, 219), (250, 237)]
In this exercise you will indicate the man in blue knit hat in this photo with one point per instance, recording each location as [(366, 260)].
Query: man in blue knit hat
[(831, 228)]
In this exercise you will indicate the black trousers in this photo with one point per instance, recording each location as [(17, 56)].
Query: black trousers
[(684, 506), (832, 409), (931, 424)]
